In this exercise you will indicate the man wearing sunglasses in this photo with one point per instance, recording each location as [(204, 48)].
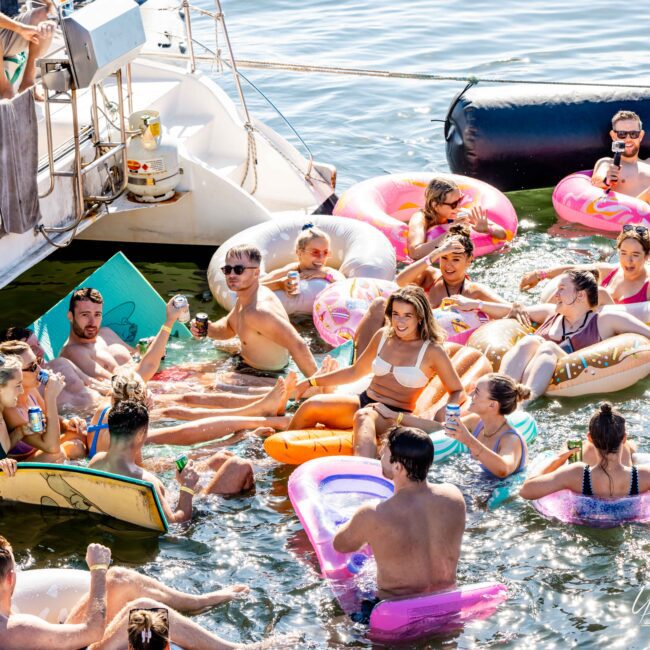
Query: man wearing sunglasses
[(632, 176), (258, 318)]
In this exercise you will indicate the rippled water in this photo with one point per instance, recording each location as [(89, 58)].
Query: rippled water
[(569, 586)]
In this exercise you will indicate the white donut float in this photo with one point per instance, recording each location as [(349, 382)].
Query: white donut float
[(358, 250)]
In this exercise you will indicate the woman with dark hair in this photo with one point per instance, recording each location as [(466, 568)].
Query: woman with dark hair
[(610, 477), (442, 205), (623, 283), (404, 355), (571, 323)]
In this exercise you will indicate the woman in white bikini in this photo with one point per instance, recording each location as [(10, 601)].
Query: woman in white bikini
[(403, 357)]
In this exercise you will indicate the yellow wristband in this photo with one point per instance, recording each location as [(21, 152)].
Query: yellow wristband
[(166, 328), (98, 567), (400, 417), (190, 491), (312, 381)]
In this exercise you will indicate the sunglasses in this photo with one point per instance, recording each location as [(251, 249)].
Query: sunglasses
[(237, 268), (639, 230), (32, 367), (621, 135), (454, 204)]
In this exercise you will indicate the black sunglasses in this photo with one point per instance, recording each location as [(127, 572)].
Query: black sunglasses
[(31, 368), (621, 135), (238, 269), (639, 230), (454, 204)]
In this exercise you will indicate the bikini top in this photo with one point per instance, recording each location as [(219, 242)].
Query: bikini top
[(587, 334), (588, 491), (407, 376), (522, 459), (96, 428), (639, 296)]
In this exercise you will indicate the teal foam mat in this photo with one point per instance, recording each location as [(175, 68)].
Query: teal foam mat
[(133, 309)]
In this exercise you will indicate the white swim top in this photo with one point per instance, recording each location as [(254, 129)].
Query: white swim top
[(407, 376)]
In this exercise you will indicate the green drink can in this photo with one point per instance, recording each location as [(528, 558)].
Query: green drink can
[(181, 461)]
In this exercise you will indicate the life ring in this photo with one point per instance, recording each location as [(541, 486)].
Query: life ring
[(605, 367), (357, 251), (319, 492), (338, 309), (458, 325), (495, 338), (388, 202), (576, 199), (297, 447)]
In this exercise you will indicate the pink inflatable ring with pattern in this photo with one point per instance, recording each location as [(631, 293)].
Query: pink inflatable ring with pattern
[(389, 202)]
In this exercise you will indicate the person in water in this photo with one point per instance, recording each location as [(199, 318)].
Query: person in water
[(98, 351), (81, 391), (500, 449), (454, 256), (313, 248), (261, 415), (570, 324), (442, 206), (403, 357), (608, 477), (258, 318), (128, 423), (632, 176), (624, 283), (416, 534), (100, 617), (21, 383)]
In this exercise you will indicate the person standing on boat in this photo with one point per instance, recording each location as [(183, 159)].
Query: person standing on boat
[(29, 32), (442, 207), (98, 351), (632, 176), (416, 534), (624, 283), (268, 339)]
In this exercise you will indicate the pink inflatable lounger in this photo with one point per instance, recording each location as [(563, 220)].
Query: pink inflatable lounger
[(573, 508), (325, 492)]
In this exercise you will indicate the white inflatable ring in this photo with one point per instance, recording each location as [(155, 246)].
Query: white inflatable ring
[(358, 250)]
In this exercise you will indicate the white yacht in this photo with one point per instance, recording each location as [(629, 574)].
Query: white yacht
[(232, 171)]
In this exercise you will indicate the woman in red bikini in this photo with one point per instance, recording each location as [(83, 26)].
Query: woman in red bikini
[(623, 283), (570, 324)]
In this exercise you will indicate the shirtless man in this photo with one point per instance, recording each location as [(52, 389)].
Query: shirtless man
[(258, 318), (80, 391), (416, 534), (632, 177), (98, 350), (112, 595), (128, 423)]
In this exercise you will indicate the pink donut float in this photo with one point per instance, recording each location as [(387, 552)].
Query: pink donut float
[(325, 492), (339, 308), (388, 203), (459, 325), (576, 199)]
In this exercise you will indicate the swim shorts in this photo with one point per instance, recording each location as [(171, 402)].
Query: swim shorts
[(240, 366)]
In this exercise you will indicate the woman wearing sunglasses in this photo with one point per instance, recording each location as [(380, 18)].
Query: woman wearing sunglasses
[(624, 283), (442, 206), (403, 356), (41, 446), (312, 250)]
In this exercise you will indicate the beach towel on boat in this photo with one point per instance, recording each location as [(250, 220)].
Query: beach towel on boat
[(132, 308), (19, 208)]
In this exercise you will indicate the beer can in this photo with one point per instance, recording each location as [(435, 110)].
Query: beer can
[(294, 277), (181, 461), (43, 377), (452, 411), (142, 346), (181, 302), (201, 324), (35, 419)]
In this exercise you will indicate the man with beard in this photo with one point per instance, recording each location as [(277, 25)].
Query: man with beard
[(259, 320), (98, 351), (632, 177), (416, 534)]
